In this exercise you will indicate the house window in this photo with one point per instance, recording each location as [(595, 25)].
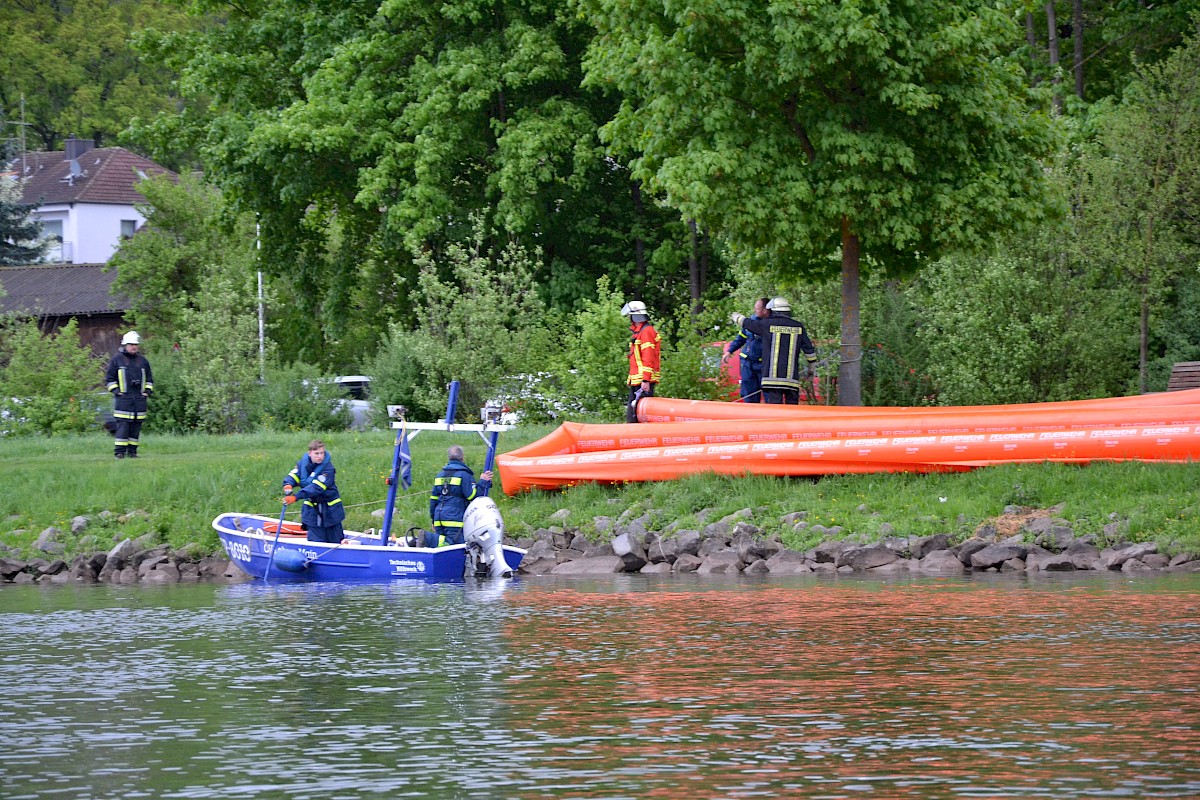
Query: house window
[(52, 229), (128, 228)]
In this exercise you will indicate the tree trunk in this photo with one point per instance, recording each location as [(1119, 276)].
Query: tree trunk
[(850, 366), (693, 266), (1052, 28), (1031, 40), (1144, 343), (639, 244), (1077, 35)]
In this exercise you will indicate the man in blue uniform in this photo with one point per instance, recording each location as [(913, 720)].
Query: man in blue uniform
[(453, 490), (313, 481), (751, 345)]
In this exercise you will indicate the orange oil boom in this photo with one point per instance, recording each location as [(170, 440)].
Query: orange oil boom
[(1161, 427)]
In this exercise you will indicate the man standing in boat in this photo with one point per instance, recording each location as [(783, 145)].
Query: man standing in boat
[(313, 481), (645, 354), (453, 490), (785, 339)]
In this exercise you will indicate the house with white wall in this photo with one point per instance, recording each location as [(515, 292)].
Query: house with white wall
[(85, 198)]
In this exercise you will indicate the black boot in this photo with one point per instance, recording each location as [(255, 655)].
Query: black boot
[(119, 451), (131, 452)]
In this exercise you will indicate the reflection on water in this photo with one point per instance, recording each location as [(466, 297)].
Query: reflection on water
[(623, 688)]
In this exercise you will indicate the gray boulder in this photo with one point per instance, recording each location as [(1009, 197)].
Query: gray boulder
[(1084, 555), (1116, 557), (724, 562), (629, 549), (994, 555), (942, 562), (48, 541), (928, 544), (969, 548), (604, 565), (864, 558)]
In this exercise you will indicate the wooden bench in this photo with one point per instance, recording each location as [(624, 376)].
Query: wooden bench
[(1184, 375)]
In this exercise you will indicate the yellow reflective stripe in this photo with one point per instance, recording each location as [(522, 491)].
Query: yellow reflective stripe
[(471, 496), (112, 386), (318, 483), (334, 502), (121, 380), (448, 524)]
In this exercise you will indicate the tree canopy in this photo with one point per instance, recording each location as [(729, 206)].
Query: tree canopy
[(805, 129), (72, 65)]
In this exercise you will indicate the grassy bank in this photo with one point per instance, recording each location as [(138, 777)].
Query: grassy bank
[(182, 482)]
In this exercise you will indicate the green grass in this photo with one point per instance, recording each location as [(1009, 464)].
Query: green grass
[(182, 482)]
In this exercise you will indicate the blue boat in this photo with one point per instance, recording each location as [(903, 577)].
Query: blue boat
[(274, 550), (252, 543)]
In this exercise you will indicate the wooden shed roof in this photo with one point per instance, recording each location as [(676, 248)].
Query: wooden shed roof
[(45, 290)]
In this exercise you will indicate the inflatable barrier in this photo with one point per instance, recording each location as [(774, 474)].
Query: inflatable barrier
[(1161, 427)]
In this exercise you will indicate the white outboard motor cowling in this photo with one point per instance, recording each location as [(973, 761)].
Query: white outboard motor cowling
[(483, 530)]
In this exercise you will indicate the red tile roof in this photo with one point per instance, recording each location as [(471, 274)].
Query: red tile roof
[(108, 175), (46, 290)]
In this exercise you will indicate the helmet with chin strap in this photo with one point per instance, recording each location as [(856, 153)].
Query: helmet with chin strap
[(635, 310)]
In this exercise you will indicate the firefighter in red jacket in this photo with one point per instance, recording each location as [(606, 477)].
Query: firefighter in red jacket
[(645, 351)]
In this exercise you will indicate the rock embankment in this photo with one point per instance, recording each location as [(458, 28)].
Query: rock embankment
[(734, 544), (130, 560), (1020, 541)]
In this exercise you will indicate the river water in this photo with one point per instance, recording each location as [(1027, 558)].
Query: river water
[(624, 687)]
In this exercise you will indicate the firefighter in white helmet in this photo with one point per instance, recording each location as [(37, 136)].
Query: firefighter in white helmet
[(785, 343), (645, 353), (129, 379)]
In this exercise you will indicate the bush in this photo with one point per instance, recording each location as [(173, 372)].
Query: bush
[(50, 382), (481, 325), (298, 398)]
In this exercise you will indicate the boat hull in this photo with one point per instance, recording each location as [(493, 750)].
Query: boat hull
[(249, 540)]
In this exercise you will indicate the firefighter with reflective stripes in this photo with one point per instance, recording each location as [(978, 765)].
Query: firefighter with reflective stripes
[(453, 490), (313, 482), (129, 379), (645, 353), (786, 342)]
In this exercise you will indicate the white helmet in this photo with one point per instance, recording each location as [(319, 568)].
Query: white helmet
[(635, 310), (131, 338), (779, 304)]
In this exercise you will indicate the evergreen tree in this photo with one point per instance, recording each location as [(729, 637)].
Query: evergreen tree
[(19, 232)]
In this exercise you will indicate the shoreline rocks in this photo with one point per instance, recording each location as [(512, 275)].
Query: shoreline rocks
[(734, 545), (1021, 541)]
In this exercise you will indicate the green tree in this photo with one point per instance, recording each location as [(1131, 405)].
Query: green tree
[(804, 129), (1140, 186), (71, 66), (482, 323), (19, 232), (218, 352), (363, 132), (164, 269), (49, 381), (998, 330)]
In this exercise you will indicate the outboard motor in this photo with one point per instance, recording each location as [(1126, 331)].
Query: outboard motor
[(483, 530)]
